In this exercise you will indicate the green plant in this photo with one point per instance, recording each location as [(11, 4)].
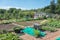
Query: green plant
[(52, 23), (46, 28), (9, 36), (17, 29), (4, 31), (44, 17), (37, 33)]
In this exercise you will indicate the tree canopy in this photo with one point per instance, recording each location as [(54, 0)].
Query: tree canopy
[(19, 13)]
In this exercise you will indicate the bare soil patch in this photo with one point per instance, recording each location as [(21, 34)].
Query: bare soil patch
[(29, 23), (6, 26)]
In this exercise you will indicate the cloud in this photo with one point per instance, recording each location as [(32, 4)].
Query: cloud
[(7, 7)]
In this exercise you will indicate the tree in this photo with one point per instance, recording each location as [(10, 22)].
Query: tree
[(58, 7), (19, 12), (47, 10), (52, 6), (58, 1)]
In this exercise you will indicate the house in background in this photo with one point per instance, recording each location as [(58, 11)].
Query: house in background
[(39, 14), (42, 14)]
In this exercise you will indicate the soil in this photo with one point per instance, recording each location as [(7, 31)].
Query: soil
[(49, 36), (6, 26), (29, 23)]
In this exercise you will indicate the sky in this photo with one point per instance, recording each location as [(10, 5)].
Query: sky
[(24, 4)]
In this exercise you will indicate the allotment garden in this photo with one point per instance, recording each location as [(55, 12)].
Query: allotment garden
[(13, 29)]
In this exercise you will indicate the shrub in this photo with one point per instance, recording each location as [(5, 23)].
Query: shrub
[(46, 28), (9, 36), (5, 22), (4, 31), (54, 24), (41, 18), (37, 33), (44, 17), (29, 19), (17, 29), (1, 31)]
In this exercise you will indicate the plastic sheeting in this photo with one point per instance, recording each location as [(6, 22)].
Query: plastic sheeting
[(29, 30), (58, 38)]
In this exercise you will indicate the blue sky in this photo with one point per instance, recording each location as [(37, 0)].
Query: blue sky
[(24, 4)]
